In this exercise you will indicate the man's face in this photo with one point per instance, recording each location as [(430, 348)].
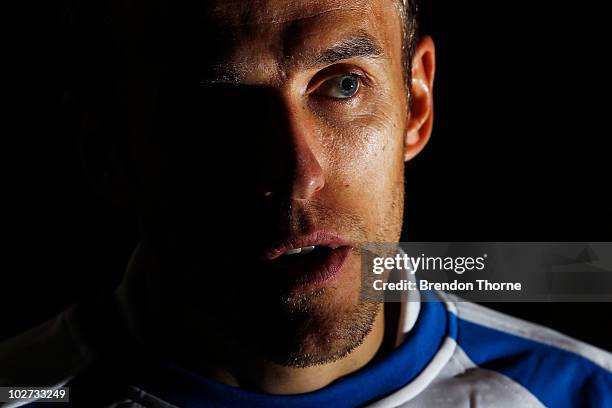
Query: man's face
[(277, 124)]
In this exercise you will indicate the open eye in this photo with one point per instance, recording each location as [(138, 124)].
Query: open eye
[(340, 86)]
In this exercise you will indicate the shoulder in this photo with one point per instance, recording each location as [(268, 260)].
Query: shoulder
[(558, 370), (79, 349), (48, 355)]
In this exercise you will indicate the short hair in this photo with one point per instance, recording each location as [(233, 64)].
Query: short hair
[(92, 66), (409, 15), (94, 49)]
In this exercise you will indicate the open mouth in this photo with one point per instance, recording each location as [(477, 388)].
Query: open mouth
[(309, 265)]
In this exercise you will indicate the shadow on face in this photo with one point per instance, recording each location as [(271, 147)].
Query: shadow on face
[(255, 122)]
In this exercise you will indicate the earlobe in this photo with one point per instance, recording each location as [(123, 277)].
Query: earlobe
[(420, 121)]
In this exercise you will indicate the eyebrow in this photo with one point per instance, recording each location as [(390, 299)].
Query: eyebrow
[(361, 45), (358, 46)]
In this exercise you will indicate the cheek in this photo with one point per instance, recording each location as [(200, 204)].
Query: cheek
[(368, 144), (367, 166), (368, 150)]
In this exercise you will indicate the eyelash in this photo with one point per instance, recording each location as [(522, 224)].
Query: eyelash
[(336, 71)]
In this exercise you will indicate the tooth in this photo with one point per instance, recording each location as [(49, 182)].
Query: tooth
[(294, 251), (308, 249)]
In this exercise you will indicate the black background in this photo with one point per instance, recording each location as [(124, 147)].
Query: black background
[(519, 152)]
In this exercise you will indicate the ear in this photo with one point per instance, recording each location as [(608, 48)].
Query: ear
[(420, 121)]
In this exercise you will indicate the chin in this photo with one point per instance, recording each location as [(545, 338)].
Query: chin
[(313, 327), (311, 341)]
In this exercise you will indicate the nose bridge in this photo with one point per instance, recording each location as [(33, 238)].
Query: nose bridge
[(298, 162), (308, 174)]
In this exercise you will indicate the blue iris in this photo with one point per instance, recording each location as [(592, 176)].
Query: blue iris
[(344, 86)]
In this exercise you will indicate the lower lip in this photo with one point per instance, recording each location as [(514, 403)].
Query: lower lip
[(307, 271)]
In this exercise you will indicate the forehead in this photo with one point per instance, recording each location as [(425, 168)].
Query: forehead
[(290, 27), (255, 12)]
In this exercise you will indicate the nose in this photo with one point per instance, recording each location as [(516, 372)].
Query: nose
[(308, 177)]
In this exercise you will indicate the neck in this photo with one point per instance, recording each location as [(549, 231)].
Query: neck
[(144, 307)]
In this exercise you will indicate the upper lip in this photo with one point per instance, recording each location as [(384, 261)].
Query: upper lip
[(316, 238)]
